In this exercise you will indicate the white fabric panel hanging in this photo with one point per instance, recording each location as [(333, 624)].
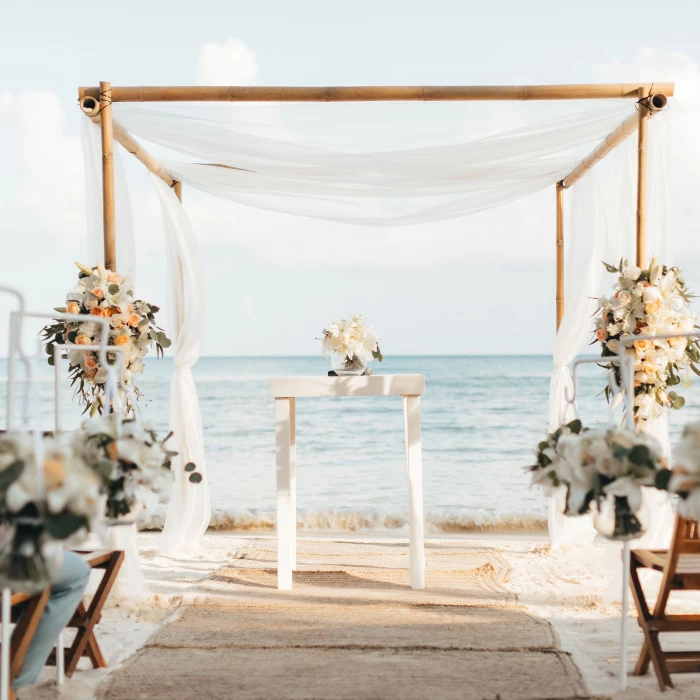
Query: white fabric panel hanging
[(123, 220), (382, 188), (189, 510), (583, 268)]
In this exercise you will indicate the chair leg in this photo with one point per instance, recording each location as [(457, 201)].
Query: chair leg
[(651, 649), (85, 637), (24, 631)]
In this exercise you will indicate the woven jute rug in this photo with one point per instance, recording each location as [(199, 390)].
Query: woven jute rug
[(352, 628)]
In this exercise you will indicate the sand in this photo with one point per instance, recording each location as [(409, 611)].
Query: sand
[(565, 587)]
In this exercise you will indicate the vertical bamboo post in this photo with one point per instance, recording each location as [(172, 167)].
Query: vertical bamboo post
[(642, 138), (108, 227), (560, 253)]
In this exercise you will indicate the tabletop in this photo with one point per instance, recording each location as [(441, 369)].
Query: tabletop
[(373, 385)]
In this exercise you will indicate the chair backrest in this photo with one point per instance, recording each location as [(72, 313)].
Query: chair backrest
[(685, 540)]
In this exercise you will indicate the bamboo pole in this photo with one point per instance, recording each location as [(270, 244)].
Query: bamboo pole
[(376, 93), (108, 220), (642, 138), (126, 140), (560, 253), (614, 139)]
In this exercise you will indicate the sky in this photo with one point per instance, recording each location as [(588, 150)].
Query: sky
[(478, 285)]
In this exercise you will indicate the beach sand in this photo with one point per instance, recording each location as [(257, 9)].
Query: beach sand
[(565, 587)]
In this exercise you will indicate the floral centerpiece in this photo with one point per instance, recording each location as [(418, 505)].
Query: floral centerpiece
[(684, 478), (100, 293), (40, 511), (351, 344), (130, 460), (650, 301), (602, 470)]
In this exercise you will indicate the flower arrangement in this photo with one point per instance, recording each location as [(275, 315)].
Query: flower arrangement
[(100, 293), (601, 469), (650, 301), (352, 344), (130, 461), (39, 512), (684, 478)]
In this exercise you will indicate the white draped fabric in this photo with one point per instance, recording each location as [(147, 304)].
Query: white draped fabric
[(189, 510), (375, 188), (383, 188), (587, 233), (602, 226), (130, 582)]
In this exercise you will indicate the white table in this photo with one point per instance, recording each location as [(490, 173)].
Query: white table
[(285, 391)]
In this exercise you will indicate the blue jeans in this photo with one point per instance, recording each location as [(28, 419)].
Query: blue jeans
[(66, 592)]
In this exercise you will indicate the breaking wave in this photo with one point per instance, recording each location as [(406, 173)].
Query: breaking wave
[(351, 520)]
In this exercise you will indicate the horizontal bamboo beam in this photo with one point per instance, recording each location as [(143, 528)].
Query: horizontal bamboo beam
[(127, 141), (652, 105), (376, 93)]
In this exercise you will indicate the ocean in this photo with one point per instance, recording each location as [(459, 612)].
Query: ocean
[(482, 417)]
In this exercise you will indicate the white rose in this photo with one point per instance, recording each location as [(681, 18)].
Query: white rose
[(624, 298), (613, 346), (632, 272), (90, 303), (651, 294)]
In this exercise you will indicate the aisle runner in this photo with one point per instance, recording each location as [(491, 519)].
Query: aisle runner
[(352, 628)]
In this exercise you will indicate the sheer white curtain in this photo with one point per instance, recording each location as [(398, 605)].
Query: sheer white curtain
[(587, 235), (189, 509), (130, 582), (381, 188)]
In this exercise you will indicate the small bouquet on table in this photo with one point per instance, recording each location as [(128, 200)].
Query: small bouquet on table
[(351, 344)]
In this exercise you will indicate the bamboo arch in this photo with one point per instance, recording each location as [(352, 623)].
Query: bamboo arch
[(96, 103)]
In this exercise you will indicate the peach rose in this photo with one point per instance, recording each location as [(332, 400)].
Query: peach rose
[(73, 308), (97, 311), (90, 362), (90, 374), (109, 311), (54, 473), (83, 340), (129, 308), (121, 339), (134, 320), (653, 307), (114, 277), (601, 334), (642, 345), (98, 292), (112, 451), (648, 368)]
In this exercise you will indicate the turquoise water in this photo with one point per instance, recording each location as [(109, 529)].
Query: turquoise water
[(481, 417)]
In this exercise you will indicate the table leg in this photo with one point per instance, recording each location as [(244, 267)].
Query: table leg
[(293, 476), (414, 468), (285, 535)]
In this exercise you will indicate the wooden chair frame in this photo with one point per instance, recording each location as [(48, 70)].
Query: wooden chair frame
[(85, 618), (676, 576)]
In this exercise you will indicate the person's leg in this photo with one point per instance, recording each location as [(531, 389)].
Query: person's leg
[(66, 593)]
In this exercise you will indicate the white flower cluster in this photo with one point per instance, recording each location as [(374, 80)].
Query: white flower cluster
[(652, 301), (685, 476), (101, 293), (596, 464), (43, 503), (64, 484), (130, 461), (351, 339)]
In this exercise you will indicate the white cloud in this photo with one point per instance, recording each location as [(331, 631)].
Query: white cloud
[(230, 63)]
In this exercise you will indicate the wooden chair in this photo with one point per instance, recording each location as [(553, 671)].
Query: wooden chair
[(31, 608), (680, 569), (85, 618)]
